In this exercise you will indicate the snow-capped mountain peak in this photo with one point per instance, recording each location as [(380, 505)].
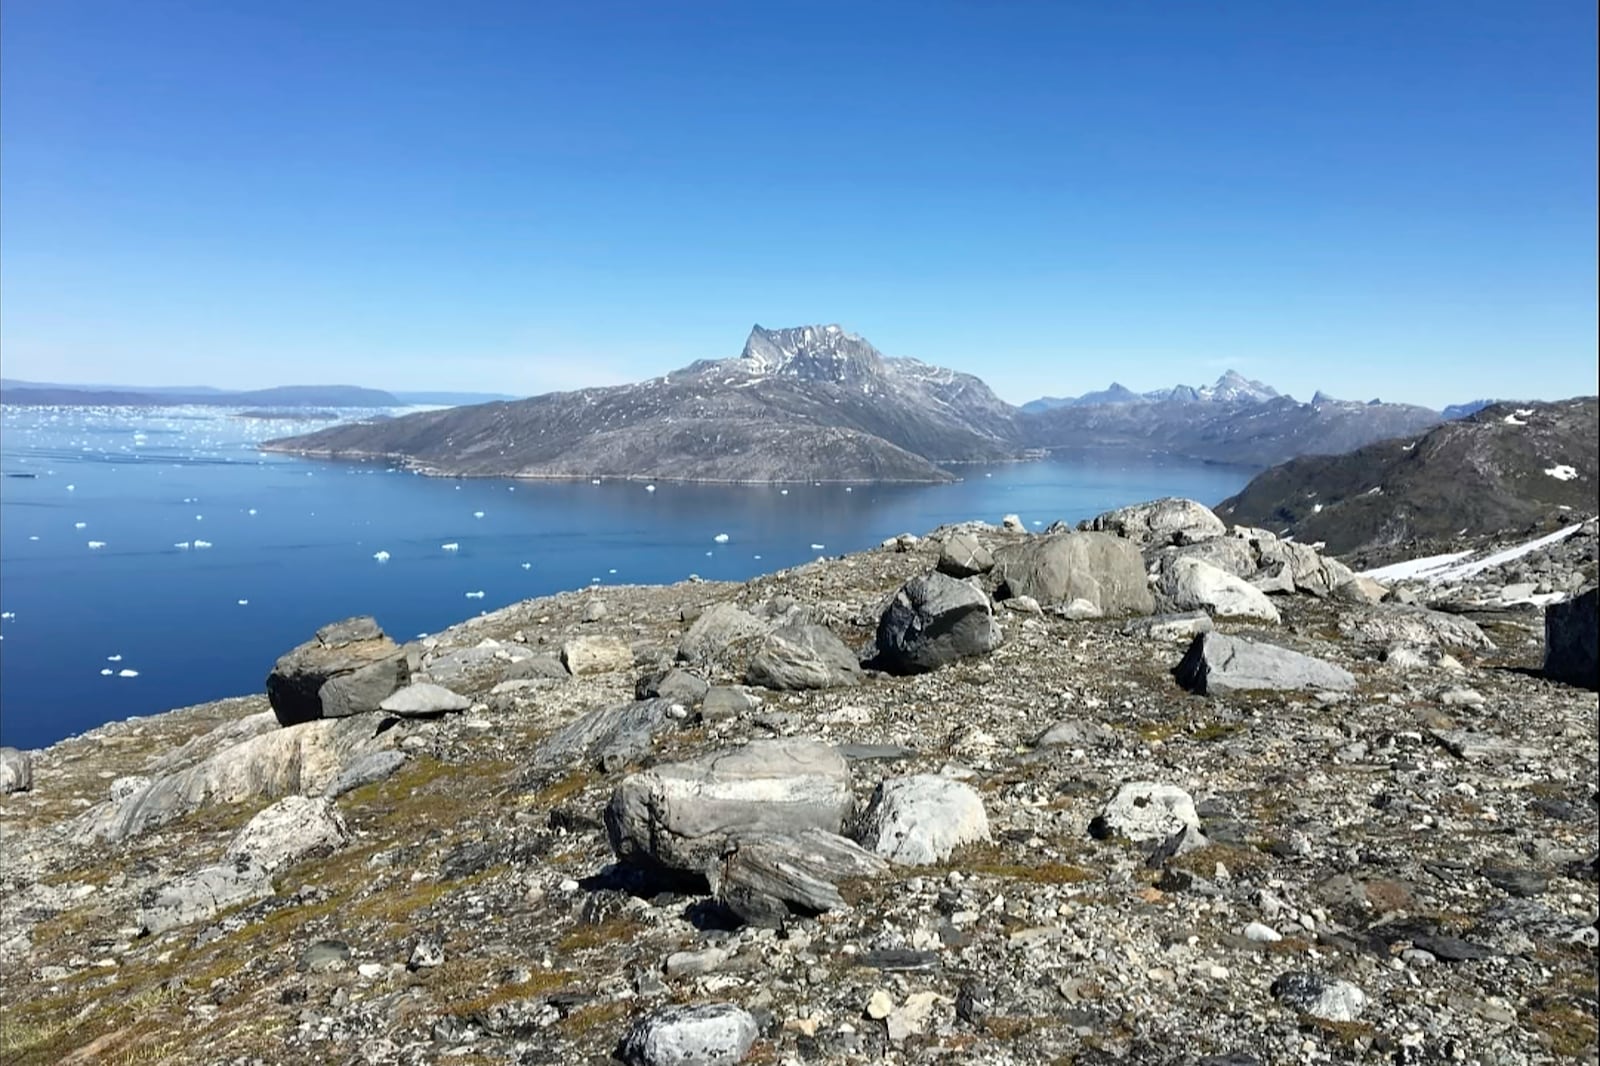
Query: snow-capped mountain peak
[(810, 353)]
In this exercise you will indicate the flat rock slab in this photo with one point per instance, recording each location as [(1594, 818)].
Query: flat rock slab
[(1146, 810), (715, 1034), (1218, 664), (921, 819), (197, 896), (1484, 747), (1391, 623), (596, 655), (608, 737), (801, 871), (423, 699), (289, 829), (1058, 568), (682, 816), (1180, 626), (803, 656), (365, 770)]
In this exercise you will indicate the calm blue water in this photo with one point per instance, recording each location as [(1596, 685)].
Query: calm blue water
[(292, 546)]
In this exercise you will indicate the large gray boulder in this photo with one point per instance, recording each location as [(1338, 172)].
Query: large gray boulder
[(16, 770), (718, 632), (932, 620), (349, 667), (200, 895), (682, 816), (1286, 566), (598, 654), (802, 655), (771, 877), (1218, 664), (1165, 521), (289, 829), (607, 737), (1571, 644), (1146, 810), (1192, 584), (302, 759), (423, 699), (921, 819), (1398, 623), (963, 555), (714, 1034), (1058, 568), (1225, 553)]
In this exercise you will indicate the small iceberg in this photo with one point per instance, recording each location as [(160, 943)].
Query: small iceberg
[(80, 525), (783, 492), (475, 595), (451, 547), (199, 544), (721, 538), (96, 544), (596, 481), (199, 518), (113, 658), (244, 603), (381, 556), (107, 672), (182, 545), (818, 547), (127, 673), (649, 488), (251, 511), (527, 566), (477, 514), (72, 488), (8, 615)]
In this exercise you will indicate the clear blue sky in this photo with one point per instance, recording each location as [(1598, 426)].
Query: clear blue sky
[(1387, 198)]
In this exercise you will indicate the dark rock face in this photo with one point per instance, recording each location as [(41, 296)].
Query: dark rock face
[(349, 667), (1058, 568), (1503, 467), (934, 619), (1571, 640)]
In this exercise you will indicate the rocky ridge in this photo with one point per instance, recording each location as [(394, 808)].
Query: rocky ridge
[(1035, 842)]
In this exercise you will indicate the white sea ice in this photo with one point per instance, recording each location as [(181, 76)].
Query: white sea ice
[(818, 547), (451, 547), (113, 658), (107, 672), (527, 566), (182, 545), (199, 544), (381, 556), (477, 514), (649, 488), (244, 603), (97, 544), (475, 595), (721, 538), (127, 673), (84, 525)]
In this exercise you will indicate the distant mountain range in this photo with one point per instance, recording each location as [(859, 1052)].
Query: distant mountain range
[(38, 393), (819, 403), (1501, 467)]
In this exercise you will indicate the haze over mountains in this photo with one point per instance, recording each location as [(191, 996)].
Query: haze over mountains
[(820, 403), (39, 393)]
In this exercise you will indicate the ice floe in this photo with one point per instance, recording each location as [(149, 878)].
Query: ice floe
[(127, 673), (244, 603), (94, 544), (818, 547), (527, 566), (199, 544), (477, 514), (451, 547), (182, 545), (381, 556), (85, 525), (721, 538), (113, 658), (649, 488), (475, 595), (107, 672)]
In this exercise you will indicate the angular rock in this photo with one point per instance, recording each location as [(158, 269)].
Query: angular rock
[(1217, 664), (1191, 584), (1146, 810), (1061, 567), (593, 611), (16, 770), (715, 1034), (800, 870), (1170, 520), (963, 555), (921, 819), (672, 684), (1232, 554), (1361, 590), (1392, 623), (727, 701), (535, 667), (932, 620), (1572, 640), (713, 636), (364, 770), (289, 829), (682, 816), (802, 655), (1327, 998), (197, 896), (608, 737), (1285, 566), (596, 655), (301, 759), (1184, 626), (347, 668), (423, 699)]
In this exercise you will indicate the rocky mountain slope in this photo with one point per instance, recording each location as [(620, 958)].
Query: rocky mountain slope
[(1499, 468), (961, 795), (1231, 387), (816, 403)]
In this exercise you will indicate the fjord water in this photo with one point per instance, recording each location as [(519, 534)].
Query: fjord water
[(140, 624)]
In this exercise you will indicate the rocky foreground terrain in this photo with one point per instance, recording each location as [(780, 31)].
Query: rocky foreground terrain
[(1159, 791)]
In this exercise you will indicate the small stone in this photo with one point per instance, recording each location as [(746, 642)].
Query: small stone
[(1263, 934), (1327, 998), (325, 955), (426, 955), (879, 1004), (370, 970)]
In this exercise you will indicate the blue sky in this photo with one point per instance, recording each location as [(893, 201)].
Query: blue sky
[(1377, 199)]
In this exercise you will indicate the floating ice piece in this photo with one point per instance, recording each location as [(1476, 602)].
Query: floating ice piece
[(596, 481), (244, 603), (612, 570), (818, 547), (97, 544), (8, 615), (783, 492), (127, 673), (649, 488), (72, 488), (988, 475), (758, 557), (1562, 472), (708, 554), (477, 514), (107, 672), (527, 566), (721, 538), (34, 537), (182, 545), (202, 544), (199, 518), (381, 556), (84, 525), (451, 547), (251, 511), (113, 658), (847, 488), (475, 595)]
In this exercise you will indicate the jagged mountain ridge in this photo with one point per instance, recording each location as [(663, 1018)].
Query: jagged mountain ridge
[(1231, 388), (821, 403), (1497, 469)]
